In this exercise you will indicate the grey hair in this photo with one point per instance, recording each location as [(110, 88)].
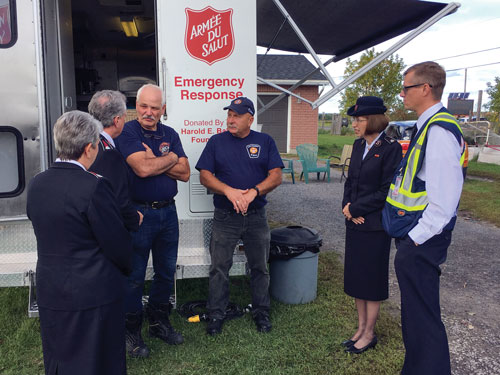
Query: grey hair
[(139, 92), (105, 105), (73, 131)]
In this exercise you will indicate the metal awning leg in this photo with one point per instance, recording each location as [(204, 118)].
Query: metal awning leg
[(286, 92), (303, 39)]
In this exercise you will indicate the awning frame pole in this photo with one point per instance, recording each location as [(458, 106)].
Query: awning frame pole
[(285, 91), (450, 8), (283, 94), (304, 41)]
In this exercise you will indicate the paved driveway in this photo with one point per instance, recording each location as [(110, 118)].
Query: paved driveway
[(470, 283)]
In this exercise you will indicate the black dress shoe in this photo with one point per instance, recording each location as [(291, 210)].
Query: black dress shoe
[(348, 343), (214, 326), (262, 322), (354, 350)]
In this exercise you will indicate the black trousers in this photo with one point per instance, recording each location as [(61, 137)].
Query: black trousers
[(229, 227), (424, 335)]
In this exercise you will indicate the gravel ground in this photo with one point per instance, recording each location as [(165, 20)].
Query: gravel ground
[(470, 291)]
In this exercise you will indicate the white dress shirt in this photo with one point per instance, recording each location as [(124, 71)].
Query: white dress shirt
[(72, 162), (108, 138), (442, 173), (369, 146)]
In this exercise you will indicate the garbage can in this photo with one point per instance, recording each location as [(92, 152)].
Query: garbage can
[(294, 264)]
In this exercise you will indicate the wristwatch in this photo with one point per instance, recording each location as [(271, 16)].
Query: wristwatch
[(257, 190)]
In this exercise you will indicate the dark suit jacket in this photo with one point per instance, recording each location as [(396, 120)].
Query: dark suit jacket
[(110, 164), (84, 249), (368, 182)]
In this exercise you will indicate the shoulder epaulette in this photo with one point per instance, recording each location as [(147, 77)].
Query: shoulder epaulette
[(389, 139), (95, 174)]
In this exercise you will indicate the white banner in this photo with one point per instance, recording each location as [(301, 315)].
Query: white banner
[(207, 57)]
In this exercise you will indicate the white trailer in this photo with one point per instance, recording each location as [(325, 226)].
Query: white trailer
[(54, 54)]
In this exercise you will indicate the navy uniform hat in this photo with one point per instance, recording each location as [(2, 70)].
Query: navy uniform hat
[(367, 105), (242, 105)]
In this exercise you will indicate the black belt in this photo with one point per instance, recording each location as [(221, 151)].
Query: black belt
[(155, 205), (249, 212)]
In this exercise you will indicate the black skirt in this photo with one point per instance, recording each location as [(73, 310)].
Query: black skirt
[(366, 267), (84, 342)]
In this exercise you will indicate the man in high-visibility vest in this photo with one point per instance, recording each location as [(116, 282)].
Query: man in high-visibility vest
[(420, 213)]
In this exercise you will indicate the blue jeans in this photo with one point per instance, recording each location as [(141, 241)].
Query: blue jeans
[(158, 233), (228, 228)]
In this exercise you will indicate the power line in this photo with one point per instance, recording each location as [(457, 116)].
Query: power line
[(465, 54), (470, 67)]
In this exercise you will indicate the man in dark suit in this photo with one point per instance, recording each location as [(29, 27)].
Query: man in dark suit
[(84, 253), (420, 212), (109, 107)]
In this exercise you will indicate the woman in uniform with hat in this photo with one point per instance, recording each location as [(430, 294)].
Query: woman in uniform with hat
[(375, 157)]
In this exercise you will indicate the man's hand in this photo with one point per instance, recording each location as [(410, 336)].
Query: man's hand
[(237, 198), (146, 164), (249, 197), (149, 152), (141, 217)]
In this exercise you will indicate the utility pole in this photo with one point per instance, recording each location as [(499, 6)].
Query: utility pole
[(336, 123), (479, 100), (465, 81)]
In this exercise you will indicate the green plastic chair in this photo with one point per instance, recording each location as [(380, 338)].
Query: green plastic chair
[(289, 169), (308, 155)]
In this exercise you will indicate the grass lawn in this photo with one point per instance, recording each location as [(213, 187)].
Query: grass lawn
[(333, 144), (304, 340), (481, 197)]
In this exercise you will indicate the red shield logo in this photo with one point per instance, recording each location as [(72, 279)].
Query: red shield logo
[(209, 34)]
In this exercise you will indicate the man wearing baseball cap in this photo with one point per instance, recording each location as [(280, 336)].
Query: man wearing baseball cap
[(240, 166)]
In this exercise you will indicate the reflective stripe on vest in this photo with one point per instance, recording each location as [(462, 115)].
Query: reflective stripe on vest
[(401, 194)]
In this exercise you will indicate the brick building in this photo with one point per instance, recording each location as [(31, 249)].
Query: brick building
[(291, 121)]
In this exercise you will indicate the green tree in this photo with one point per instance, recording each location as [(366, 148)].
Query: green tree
[(384, 81), (493, 105)]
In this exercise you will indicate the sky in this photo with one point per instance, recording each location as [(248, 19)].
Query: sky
[(475, 26)]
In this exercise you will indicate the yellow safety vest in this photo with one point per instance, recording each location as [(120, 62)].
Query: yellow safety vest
[(407, 197)]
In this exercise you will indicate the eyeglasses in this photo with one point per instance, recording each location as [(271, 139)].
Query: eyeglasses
[(154, 136), (406, 88), (357, 119)]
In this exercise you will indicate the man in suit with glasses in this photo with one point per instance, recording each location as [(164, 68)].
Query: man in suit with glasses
[(420, 212), (155, 155)]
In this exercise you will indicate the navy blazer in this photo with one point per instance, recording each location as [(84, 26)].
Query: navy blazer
[(84, 250), (369, 179), (111, 164)]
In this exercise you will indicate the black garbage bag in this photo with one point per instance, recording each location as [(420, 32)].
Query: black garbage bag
[(288, 242)]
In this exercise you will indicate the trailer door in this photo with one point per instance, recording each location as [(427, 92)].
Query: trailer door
[(19, 105)]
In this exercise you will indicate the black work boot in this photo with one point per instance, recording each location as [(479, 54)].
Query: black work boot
[(214, 326), (262, 321), (159, 324), (133, 339)]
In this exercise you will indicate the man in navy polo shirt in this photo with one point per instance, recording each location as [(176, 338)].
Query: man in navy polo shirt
[(240, 166), (155, 155)]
